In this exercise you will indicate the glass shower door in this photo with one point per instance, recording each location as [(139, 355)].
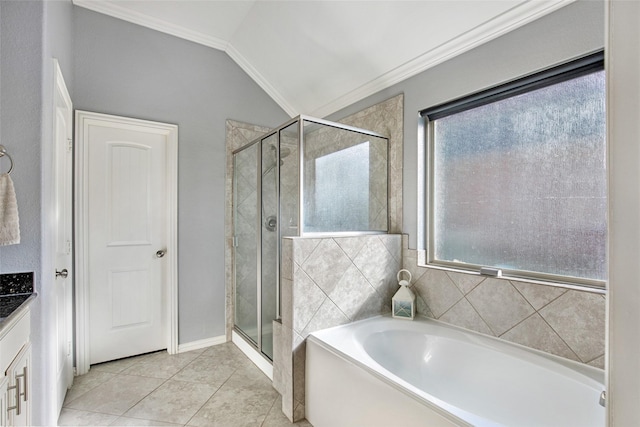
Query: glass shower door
[(246, 241)]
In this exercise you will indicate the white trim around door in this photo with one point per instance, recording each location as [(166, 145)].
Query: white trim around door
[(83, 119)]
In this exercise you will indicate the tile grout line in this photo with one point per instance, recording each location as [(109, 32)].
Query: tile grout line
[(214, 393)]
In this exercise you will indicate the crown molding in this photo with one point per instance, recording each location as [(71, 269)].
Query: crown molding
[(246, 66), (498, 26), (117, 11)]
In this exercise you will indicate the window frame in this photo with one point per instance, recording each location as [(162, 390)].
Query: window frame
[(426, 187)]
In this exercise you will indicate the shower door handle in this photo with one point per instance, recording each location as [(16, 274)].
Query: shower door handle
[(161, 253)]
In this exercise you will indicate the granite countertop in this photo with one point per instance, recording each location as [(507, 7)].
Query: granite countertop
[(10, 303), (15, 290)]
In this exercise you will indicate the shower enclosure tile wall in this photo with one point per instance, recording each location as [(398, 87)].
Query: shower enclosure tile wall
[(385, 118), (306, 176), (327, 282)]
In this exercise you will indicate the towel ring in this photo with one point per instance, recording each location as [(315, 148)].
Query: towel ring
[(3, 152)]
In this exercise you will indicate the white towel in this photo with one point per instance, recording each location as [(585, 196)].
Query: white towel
[(9, 222)]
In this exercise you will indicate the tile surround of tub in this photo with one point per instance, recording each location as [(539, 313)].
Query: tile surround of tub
[(564, 322), (328, 282)]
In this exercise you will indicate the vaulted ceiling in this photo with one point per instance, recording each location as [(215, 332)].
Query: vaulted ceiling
[(317, 56)]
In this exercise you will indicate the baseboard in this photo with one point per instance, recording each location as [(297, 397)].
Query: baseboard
[(257, 359), (197, 345)]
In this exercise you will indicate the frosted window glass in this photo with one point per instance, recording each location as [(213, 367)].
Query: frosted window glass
[(341, 191), (521, 183)]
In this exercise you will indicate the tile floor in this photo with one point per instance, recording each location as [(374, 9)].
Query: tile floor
[(217, 386)]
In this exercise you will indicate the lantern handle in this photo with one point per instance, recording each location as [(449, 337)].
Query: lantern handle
[(404, 282)]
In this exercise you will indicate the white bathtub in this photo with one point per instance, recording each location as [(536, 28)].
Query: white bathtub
[(391, 372)]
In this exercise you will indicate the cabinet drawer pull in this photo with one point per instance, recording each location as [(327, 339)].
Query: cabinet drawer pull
[(23, 375), (17, 406)]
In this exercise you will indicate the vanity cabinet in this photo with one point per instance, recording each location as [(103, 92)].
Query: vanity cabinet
[(15, 360), (3, 401), (19, 389)]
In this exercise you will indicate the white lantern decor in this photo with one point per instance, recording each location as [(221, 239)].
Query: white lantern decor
[(404, 301)]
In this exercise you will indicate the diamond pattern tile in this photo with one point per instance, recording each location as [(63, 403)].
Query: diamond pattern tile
[(579, 318), (307, 298), (352, 292), (438, 291), (534, 332), (499, 304), (326, 265)]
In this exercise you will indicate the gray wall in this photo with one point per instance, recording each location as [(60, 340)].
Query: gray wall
[(128, 70), (119, 68), (21, 51), (567, 33), (31, 34)]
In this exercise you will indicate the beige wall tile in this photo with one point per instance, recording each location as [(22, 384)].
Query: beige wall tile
[(464, 315), (538, 295), (352, 292), (393, 243), (378, 266), (465, 282), (286, 302), (326, 265), (534, 332), (579, 318), (327, 316), (351, 245), (598, 362), (422, 309), (286, 253), (438, 291), (302, 248), (499, 304), (307, 299)]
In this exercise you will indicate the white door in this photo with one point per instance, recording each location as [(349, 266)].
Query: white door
[(128, 235), (63, 236)]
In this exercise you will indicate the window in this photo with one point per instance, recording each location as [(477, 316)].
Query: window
[(516, 177)]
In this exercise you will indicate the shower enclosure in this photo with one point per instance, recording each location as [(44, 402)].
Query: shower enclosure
[(308, 177)]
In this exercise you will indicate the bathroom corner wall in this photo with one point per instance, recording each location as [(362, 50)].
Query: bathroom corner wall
[(564, 322), (327, 282)]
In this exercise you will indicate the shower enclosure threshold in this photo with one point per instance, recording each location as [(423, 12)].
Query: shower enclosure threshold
[(258, 359)]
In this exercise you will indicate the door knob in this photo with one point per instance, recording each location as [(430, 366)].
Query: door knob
[(161, 253), (64, 273)]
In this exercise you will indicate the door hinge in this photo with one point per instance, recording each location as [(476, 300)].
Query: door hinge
[(68, 247), (235, 241), (69, 144), (68, 348)]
